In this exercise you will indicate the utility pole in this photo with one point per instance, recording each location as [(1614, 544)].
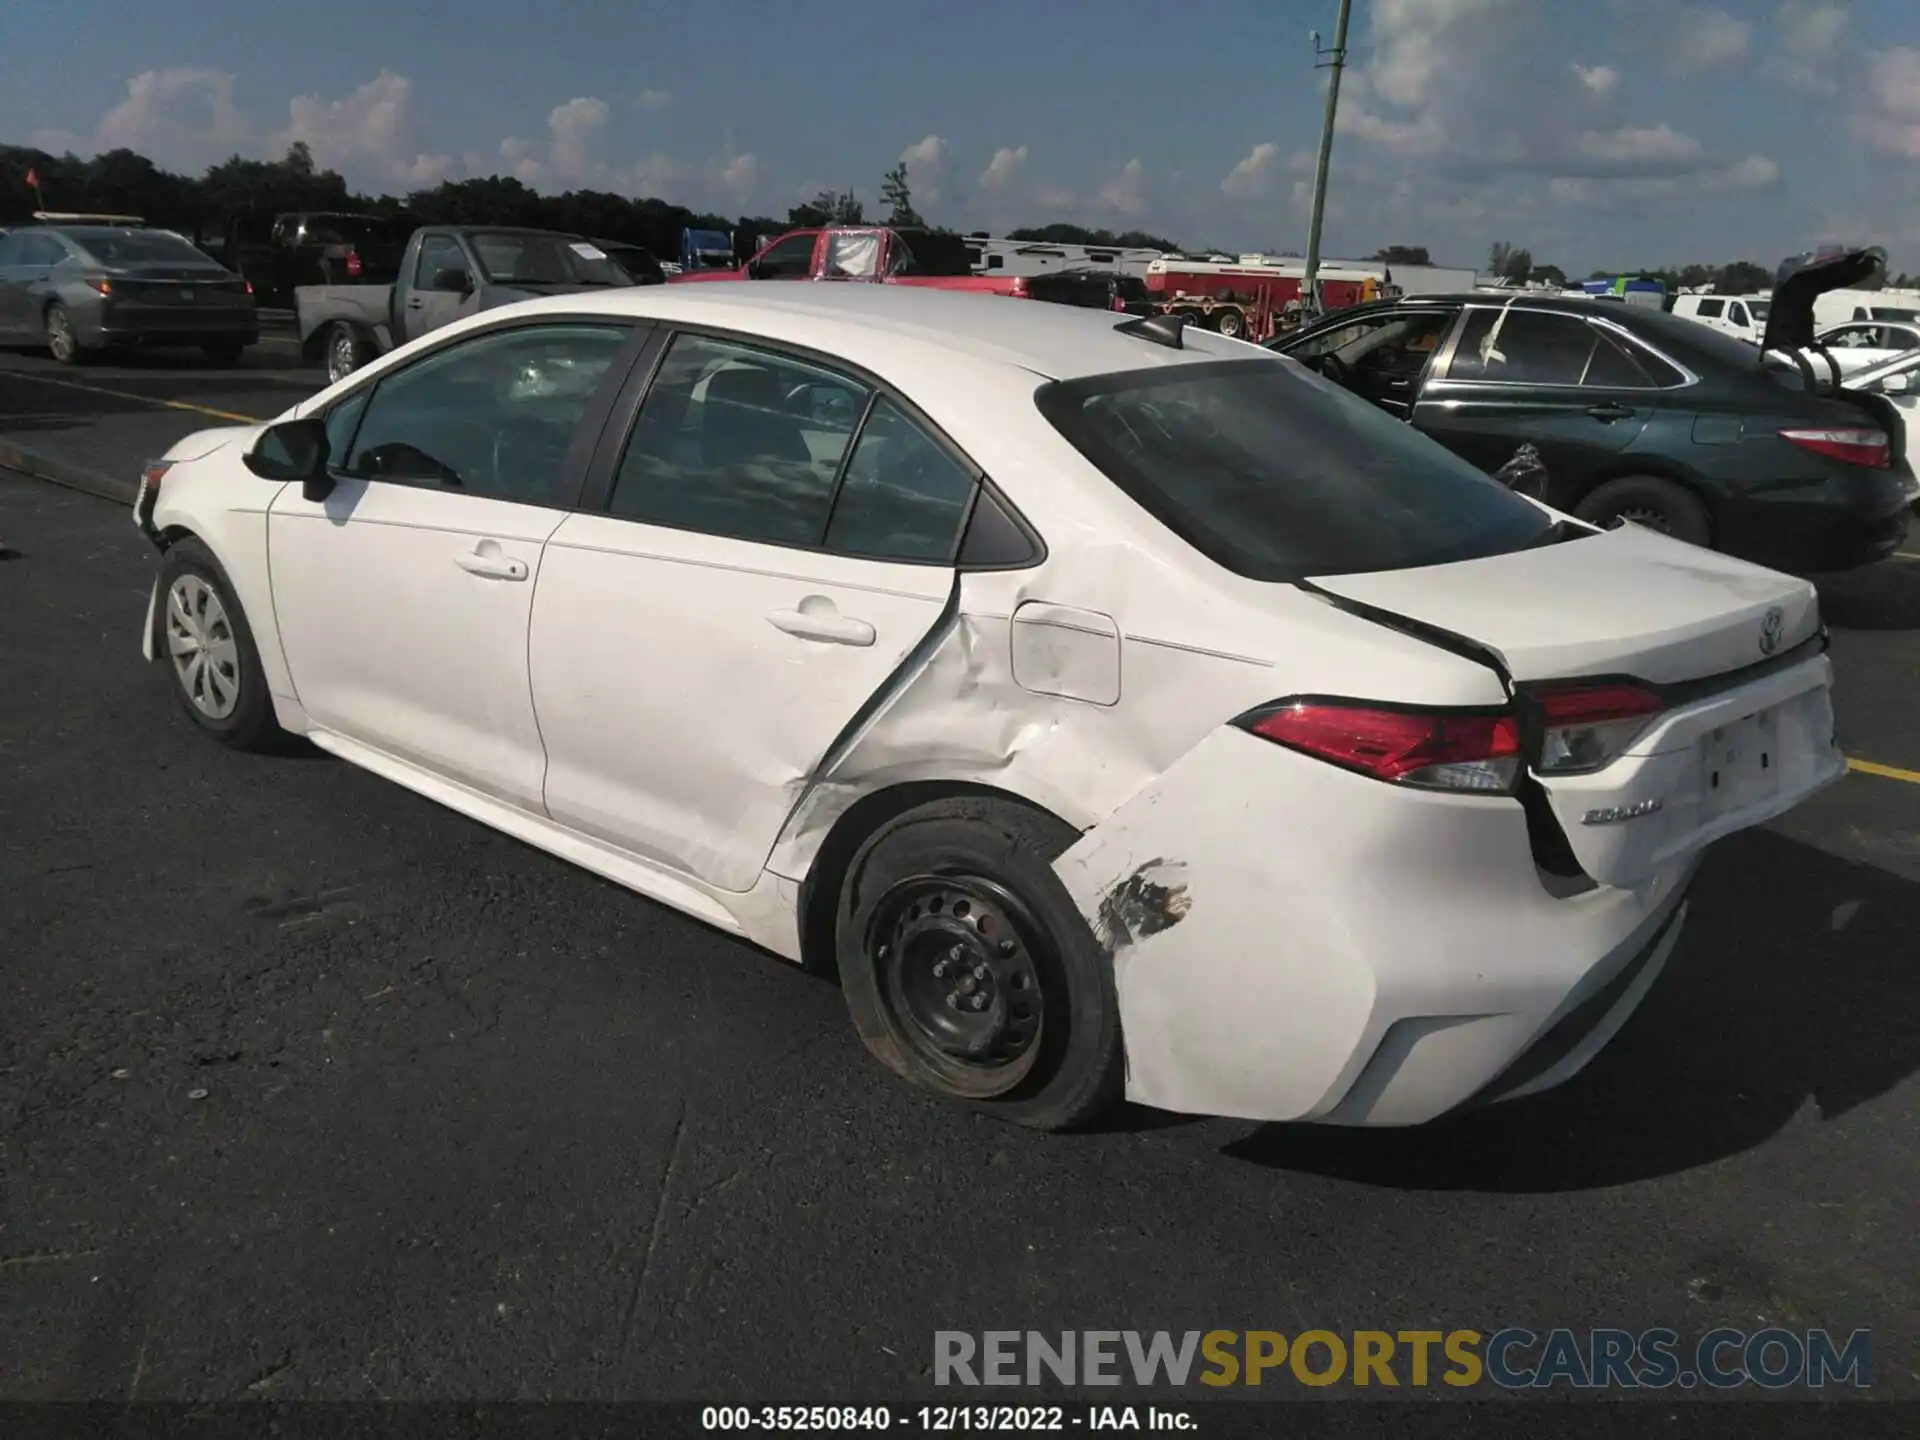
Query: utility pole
[(1336, 61)]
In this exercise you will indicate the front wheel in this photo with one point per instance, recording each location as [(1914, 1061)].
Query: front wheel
[(209, 651), (968, 970), (1650, 501)]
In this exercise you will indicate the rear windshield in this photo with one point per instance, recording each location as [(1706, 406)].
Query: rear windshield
[(139, 247), (1277, 475)]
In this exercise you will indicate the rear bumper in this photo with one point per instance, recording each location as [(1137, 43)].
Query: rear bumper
[(1816, 529), (172, 327), (1307, 944)]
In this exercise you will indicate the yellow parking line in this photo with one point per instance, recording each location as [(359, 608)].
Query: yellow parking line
[(186, 405), (1885, 772)]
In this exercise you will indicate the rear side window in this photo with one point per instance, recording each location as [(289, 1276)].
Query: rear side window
[(1711, 309), (903, 497), (1277, 475)]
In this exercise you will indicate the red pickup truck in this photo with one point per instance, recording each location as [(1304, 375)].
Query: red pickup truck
[(869, 253)]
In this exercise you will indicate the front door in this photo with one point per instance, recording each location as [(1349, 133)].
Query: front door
[(699, 647), (429, 305), (1381, 358), (1518, 377), (404, 597)]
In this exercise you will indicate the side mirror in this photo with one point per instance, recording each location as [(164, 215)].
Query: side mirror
[(293, 450), (454, 279), (1896, 384)]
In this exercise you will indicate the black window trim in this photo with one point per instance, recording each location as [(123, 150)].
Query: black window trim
[(617, 430), (587, 433), (1614, 329)]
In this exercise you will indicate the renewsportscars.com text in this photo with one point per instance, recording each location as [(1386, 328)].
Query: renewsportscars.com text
[(1513, 1358)]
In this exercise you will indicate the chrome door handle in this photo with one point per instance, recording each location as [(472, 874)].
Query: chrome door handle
[(490, 562), (817, 619)]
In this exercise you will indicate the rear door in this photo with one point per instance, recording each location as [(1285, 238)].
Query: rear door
[(1514, 377), (773, 539)]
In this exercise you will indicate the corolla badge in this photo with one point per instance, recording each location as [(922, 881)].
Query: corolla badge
[(1770, 626)]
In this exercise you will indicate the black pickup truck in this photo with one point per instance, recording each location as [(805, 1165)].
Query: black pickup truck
[(447, 273)]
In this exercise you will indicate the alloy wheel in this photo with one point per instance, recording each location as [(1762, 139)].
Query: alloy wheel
[(340, 358), (201, 647), (60, 335)]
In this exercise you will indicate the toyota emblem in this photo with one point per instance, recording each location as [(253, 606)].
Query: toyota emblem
[(1770, 627)]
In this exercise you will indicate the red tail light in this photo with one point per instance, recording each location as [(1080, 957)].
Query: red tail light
[(1428, 749), (353, 262), (104, 286), (1589, 726), (1019, 288), (1855, 447)]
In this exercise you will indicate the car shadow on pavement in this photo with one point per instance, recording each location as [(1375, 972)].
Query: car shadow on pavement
[(1885, 596), (1793, 982)]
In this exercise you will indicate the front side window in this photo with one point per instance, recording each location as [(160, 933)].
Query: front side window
[(904, 497), (1737, 313), (738, 442), (41, 250), (1522, 347), (492, 416), (438, 253), (788, 259), (1277, 475)]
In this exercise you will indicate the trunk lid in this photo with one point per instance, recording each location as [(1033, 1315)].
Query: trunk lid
[(1740, 728), (1805, 278), (1620, 602)]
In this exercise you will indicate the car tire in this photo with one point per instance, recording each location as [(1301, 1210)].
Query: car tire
[(1648, 500), (969, 971), (345, 353), (1231, 323), (226, 696), (62, 342), (225, 353)]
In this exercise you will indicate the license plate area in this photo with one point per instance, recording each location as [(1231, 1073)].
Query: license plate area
[(1740, 764)]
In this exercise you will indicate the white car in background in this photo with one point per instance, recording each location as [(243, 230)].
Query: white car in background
[(1897, 381), (1122, 709), (1744, 316), (1867, 344)]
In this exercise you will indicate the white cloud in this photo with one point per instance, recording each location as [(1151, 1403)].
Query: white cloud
[(1812, 38), (1889, 120), (1599, 79), (1753, 172), (183, 116), (1254, 174), (926, 162), (1053, 199), (737, 177), (1697, 39), (654, 99), (1127, 191), (1008, 162), (574, 127), (365, 134), (1644, 145)]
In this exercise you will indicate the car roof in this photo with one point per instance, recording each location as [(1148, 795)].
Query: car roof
[(893, 329)]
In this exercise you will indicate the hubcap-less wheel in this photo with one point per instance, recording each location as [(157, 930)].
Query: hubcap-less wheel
[(201, 646), (1230, 325), (60, 334), (340, 357), (955, 959)]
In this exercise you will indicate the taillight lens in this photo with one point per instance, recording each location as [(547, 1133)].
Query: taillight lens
[(1427, 749), (1588, 727), (1855, 447), (353, 262), (100, 283)]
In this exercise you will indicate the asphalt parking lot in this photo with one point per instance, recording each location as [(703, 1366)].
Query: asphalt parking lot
[(311, 1089)]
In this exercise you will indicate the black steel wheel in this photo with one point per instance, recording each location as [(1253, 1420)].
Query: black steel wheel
[(955, 955), (969, 971), (1648, 500)]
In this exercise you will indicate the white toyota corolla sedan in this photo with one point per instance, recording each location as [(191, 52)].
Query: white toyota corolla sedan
[(1122, 710)]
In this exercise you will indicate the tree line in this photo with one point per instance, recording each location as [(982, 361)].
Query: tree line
[(251, 192)]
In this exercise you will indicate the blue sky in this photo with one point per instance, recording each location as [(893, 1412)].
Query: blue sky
[(1594, 132)]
